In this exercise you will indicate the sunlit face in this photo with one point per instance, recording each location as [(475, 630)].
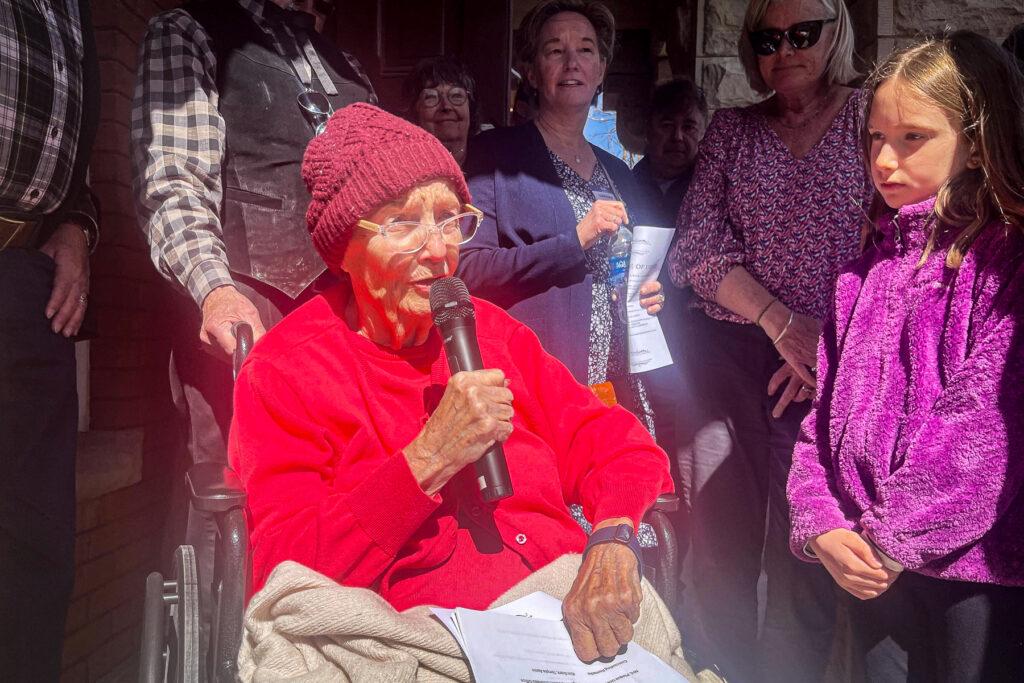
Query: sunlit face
[(915, 145), (672, 139), (444, 120), (789, 69), (568, 67), (398, 285)]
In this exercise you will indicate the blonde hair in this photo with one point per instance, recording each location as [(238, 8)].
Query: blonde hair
[(838, 63), (976, 83)]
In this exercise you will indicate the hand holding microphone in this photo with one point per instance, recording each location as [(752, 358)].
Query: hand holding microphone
[(474, 416)]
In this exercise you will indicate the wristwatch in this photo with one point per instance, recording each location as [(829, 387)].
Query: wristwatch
[(621, 533)]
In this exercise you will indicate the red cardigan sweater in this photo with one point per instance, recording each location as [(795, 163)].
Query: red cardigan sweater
[(322, 415)]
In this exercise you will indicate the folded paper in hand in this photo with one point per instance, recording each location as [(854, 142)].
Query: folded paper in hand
[(526, 642), (648, 349)]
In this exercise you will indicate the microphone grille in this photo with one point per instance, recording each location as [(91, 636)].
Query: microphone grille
[(449, 300)]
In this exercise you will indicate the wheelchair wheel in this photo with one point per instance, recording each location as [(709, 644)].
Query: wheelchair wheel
[(184, 657)]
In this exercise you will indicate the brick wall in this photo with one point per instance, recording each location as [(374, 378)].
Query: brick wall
[(120, 531)]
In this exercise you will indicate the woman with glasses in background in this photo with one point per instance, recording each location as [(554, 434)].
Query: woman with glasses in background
[(440, 97), (775, 208)]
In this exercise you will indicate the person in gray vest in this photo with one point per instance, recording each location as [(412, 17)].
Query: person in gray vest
[(227, 97)]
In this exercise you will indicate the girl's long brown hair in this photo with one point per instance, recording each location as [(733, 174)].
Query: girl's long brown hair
[(978, 84)]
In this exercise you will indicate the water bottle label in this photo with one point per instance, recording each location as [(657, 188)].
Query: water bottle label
[(617, 267)]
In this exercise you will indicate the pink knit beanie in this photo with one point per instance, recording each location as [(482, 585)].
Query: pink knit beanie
[(366, 158)]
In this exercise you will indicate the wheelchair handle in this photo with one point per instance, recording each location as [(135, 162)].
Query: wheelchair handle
[(243, 345)]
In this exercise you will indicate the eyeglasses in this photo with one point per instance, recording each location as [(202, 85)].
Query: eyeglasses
[(411, 236), (316, 108), (801, 36), (431, 97)]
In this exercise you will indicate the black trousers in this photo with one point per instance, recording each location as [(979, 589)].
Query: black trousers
[(950, 630), (670, 391), (38, 425), (735, 474)]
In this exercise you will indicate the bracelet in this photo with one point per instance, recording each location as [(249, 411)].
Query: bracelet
[(765, 310), (785, 329), (88, 226)]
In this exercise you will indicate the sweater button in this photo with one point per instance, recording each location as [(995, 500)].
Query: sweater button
[(521, 539)]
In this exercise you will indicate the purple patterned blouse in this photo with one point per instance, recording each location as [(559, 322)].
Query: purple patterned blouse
[(792, 223)]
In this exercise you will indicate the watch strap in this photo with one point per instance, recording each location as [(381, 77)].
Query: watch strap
[(622, 534)]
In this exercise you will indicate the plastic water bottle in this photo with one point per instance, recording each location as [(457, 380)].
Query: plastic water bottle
[(618, 270)]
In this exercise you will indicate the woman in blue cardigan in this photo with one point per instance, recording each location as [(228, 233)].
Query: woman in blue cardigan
[(542, 249)]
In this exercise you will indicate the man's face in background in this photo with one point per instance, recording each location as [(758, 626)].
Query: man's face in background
[(672, 139)]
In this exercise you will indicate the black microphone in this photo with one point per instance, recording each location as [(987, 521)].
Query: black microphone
[(455, 318)]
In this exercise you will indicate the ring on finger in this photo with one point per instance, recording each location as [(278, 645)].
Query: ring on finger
[(806, 389), (83, 298)]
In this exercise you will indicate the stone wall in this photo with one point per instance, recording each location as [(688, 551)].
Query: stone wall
[(880, 25), (718, 68)]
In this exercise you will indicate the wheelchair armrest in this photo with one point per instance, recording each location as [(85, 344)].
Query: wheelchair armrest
[(214, 487), (668, 502), (662, 568)]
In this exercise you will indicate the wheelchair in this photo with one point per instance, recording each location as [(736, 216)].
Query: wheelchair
[(171, 645)]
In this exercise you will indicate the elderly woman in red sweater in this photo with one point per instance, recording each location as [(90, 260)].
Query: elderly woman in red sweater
[(353, 441)]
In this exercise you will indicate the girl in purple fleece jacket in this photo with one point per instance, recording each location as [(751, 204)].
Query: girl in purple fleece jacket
[(907, 479)]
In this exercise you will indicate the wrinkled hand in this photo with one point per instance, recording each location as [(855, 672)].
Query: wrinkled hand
[(69, 250), (222, 308), (651, 297), (474, 413), (799, 346), (605, 217), (853, 563), (604, 601), (795, 389)]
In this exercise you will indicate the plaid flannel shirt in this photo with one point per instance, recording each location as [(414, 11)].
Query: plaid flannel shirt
[(40, 103), (178, 148)]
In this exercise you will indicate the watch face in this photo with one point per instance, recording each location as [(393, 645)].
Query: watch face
[(623, 533)]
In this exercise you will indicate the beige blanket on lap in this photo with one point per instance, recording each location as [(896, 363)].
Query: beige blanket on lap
[(305, 627)]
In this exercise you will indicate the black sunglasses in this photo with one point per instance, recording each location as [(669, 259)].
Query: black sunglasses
[(316, 108), (801, 36)]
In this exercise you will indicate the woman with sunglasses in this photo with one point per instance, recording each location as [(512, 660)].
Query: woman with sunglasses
[(774, 210), (440, 98)]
